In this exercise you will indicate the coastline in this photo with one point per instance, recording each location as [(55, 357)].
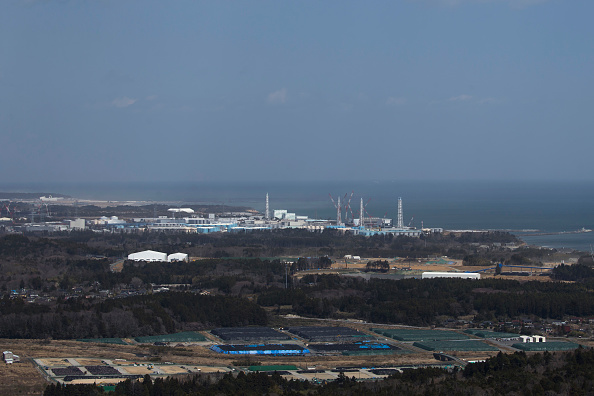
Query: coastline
[(507, 206)]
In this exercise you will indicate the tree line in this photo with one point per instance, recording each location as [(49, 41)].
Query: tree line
[(153, 314), (422, 302)]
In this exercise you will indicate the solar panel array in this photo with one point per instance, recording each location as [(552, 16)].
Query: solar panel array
[(420, 334), (490, 334), (248, 334), (450, 345), (546, 346), (357, 346), (102, 370), (327, 334), (67, 371), (259, 347)]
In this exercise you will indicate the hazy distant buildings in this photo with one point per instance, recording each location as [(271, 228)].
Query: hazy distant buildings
[(78, 224)]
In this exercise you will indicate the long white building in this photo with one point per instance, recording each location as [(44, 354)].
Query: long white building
[(460, 275)]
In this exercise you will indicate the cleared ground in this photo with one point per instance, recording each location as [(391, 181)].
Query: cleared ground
[(139, 370), (27, 379)]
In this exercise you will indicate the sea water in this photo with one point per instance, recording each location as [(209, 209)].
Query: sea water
[(543, 207)]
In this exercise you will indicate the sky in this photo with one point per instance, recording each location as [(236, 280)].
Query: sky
[(191, 91)]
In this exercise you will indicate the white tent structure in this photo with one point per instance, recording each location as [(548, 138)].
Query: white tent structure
[(462, 275), (148, 255), (177, 257)]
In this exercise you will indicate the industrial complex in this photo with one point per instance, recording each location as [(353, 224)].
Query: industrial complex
[(187, 220)]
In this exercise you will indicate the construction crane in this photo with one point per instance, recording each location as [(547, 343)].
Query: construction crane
[(362, 212), (347, 208), (338, 209), (9, 213)]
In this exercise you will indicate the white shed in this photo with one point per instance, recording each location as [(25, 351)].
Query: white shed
[(148, 255), (526, 338), (10, 357), (538, 338), (177, 257)]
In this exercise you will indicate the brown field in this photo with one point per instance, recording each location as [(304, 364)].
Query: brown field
[(55, 362), (400, 263), (96, 381), (172, 369), (89, 362), (21, 378), (138, 370), (321, 376), (25, 378), (416, 265), (206, 369)]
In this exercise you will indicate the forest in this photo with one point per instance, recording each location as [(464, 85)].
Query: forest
[(421, 302), (570, 373), (65, 259), (160, 313), (407, 301), (254, 288)]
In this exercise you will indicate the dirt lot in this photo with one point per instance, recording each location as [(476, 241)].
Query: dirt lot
[(400, 263), (89, 362), (402, 266), (54, 362), (142, 370), (25, 378), (172, 370)]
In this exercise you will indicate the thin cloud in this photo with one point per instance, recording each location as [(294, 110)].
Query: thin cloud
[(152, 97), (278, 97), (123, 102), (460, 98), (394, 101)]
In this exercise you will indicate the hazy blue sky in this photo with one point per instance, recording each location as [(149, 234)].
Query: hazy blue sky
[(113, 90)]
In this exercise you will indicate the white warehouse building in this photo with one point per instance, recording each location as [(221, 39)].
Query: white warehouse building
[(148, 255), (177, 257), (460, 275)]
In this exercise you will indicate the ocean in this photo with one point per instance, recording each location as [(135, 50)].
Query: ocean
[(541, 207)]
